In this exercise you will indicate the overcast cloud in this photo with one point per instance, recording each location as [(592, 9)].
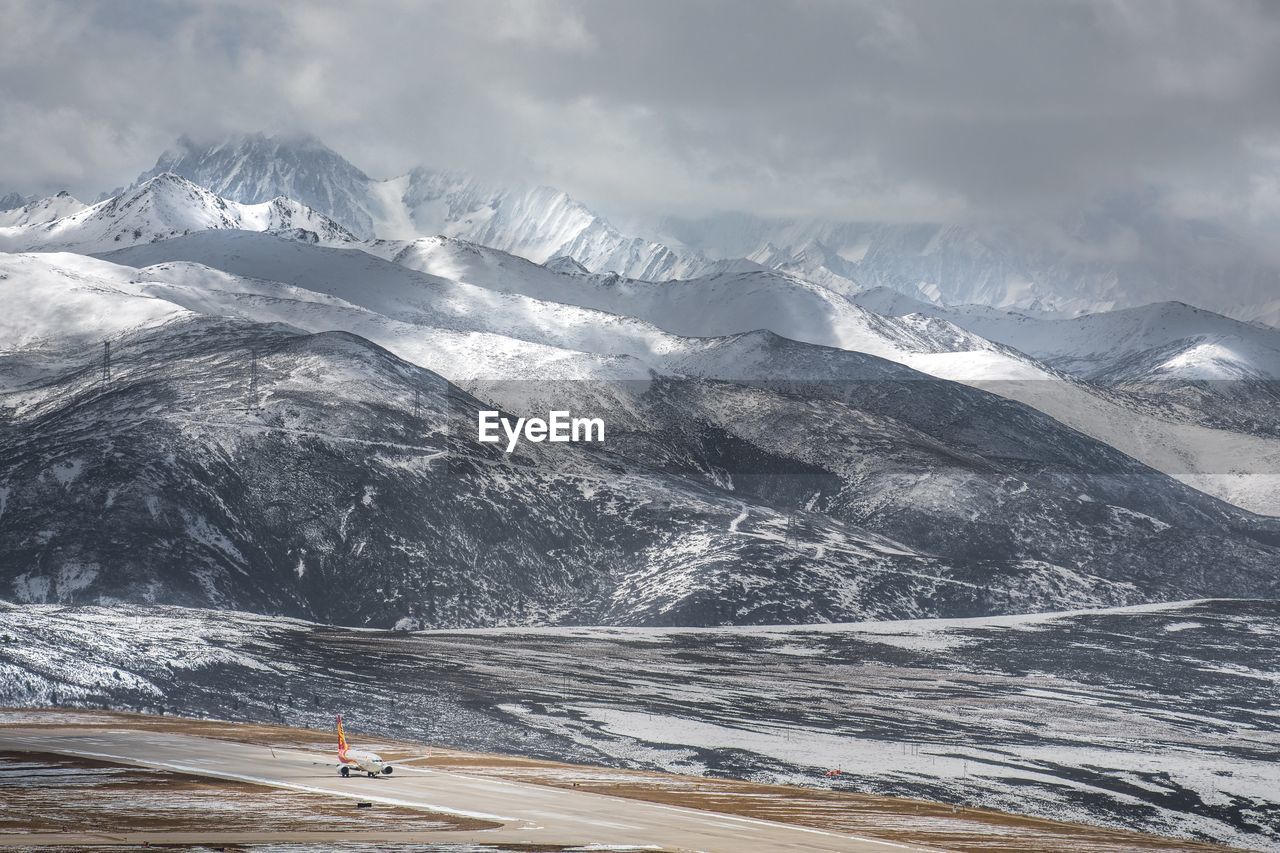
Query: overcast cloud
[(914, 110)]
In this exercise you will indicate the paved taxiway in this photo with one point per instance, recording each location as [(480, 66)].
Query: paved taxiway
[(529, 814)]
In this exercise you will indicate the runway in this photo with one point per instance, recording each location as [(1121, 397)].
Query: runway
[(528, 814)]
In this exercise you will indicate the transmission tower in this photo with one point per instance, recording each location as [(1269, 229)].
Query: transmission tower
[(253, 380), (106, 365), (792, 537), (431, 594)]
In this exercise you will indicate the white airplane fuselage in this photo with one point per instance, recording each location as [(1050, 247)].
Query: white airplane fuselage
[(358, 759), (361, 759)]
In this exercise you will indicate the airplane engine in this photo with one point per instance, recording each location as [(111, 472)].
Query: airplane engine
[(387, 770)]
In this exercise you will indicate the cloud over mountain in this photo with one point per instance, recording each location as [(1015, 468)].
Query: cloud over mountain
[(905, 111)]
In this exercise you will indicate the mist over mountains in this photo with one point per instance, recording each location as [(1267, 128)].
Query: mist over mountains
[(1122, 253)]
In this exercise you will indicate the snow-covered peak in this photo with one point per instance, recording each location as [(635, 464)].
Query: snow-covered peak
[(41, 210), (566, 265), (1163, 340), (286, 214), (164, 206), (256, 168), (1089, 264), (722, 303), (535, 222)]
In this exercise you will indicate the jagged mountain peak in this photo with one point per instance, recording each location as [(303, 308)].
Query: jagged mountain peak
[(567, 265), (1078, 268), (254, 168), (163, 206), (42, 210), (533, 221)]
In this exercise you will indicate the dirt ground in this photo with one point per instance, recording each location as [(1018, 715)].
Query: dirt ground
[(45, 792)]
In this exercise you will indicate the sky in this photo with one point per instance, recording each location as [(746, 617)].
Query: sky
[(895, 111)]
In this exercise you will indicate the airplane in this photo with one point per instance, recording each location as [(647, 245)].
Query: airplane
[(360, 759)]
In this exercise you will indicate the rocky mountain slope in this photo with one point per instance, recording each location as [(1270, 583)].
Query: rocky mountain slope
[(809, 483), (352, 490), (1228, 449), (1225, 450)]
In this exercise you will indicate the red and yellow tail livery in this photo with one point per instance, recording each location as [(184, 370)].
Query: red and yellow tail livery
[(361, 759), (342, 741)]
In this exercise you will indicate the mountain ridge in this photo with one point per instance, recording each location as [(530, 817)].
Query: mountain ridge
[(1067, 271), (161, 207)]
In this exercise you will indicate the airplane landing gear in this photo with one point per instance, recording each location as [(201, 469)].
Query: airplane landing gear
[(373, 775)]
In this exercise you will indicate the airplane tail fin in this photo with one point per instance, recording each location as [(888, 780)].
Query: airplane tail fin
[(342, 739)]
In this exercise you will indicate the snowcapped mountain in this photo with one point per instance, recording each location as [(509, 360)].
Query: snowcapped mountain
[(1125, 253), (537, 223), (740, 399), (9, 201), (813, 261), (534, 222), (723, 303), (892, 303), (41, 211), (1236, 458), (1266, 313), (1172, 362), (1179, 341), (255, 168), (161, 207), (206, 506), (914, 496), (1088, 263), (927, 261), (514, 336)]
